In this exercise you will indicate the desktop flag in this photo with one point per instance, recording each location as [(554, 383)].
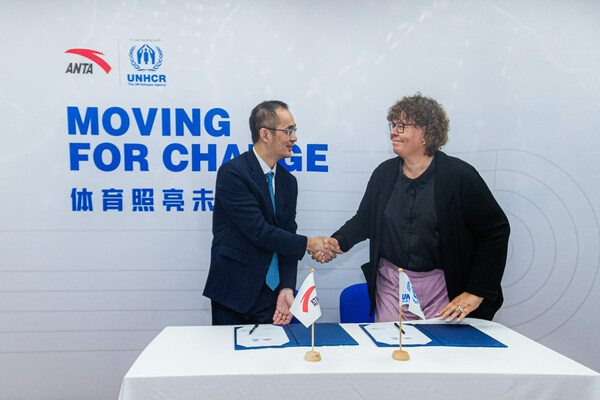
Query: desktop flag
[(306, 306), (408, 296)]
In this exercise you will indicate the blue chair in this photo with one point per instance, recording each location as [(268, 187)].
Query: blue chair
[(355, 304)]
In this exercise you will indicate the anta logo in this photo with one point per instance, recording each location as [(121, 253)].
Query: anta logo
[(84, 67)]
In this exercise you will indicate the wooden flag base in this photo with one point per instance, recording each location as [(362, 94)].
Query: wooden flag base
[(312, 356), (400, 355)]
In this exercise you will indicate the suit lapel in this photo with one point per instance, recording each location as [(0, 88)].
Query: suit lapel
[(259, 178), (282, 188)]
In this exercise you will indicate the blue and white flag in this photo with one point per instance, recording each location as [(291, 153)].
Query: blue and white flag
[(408, 296)]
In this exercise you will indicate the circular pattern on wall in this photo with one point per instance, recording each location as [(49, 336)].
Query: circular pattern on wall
[(554, 248)]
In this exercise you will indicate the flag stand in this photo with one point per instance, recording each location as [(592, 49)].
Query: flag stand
[(313, 355), (400, 355)]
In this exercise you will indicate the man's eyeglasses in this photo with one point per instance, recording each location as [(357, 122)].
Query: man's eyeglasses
[(399, 127), (288, 131)]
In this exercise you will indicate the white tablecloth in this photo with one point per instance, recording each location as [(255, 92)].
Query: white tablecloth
[(200, 363)]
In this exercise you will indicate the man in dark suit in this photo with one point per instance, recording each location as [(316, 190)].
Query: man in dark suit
[(255, 248)]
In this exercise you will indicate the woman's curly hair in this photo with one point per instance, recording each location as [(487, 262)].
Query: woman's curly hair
[(425, 112)]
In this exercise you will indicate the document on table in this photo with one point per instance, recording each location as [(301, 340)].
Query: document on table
[(263, 335), (326, 334), (387, 332)]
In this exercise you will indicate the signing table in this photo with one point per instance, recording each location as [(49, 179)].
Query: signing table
[(200, 363)]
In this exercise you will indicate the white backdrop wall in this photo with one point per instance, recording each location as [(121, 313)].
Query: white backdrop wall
[(83, 291)]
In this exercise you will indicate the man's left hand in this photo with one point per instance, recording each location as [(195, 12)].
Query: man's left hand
[(282, 314)]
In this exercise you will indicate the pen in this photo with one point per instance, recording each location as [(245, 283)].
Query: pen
[(398, 326), (253, 328)]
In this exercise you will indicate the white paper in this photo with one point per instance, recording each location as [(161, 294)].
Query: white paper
[(387, 332), (263, 335)]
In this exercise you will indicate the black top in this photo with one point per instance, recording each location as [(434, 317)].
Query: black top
[(410, 229)]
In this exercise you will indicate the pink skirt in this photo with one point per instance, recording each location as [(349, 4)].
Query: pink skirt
[(430, 288)]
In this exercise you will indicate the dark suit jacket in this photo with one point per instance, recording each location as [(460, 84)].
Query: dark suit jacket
[(473, 230), (246, 232)]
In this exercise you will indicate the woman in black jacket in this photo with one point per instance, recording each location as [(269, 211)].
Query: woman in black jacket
[(432, 215)]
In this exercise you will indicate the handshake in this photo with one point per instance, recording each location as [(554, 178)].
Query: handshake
[(323, 249)]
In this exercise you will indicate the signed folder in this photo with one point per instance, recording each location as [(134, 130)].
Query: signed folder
[(458, 335), (326, 334)]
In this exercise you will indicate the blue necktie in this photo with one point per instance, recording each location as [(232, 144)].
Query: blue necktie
[(273, 272)]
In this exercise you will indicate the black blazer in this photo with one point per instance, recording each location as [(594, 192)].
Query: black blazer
[(246, 232), (473, 230)]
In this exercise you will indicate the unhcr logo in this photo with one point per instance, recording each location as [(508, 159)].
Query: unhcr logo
[(146, 59)]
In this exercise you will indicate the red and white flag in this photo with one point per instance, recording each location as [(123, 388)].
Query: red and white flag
[(306, 306)]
